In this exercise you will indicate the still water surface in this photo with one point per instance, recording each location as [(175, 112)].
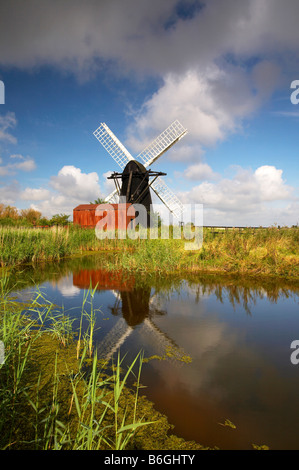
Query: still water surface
[(229, 341)]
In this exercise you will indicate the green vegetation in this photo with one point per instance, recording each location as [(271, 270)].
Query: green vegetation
[(55, 396), (10, 216), (99, 200), (260, 252)]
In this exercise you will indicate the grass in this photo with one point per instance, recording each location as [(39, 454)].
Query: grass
[(52, 398), (21, 245), (261, 252)]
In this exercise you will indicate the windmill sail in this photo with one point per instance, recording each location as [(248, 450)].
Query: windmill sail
[(168, 198), (112, 197), (114, 147), (162, 143)]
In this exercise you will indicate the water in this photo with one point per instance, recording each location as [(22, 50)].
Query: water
[(219, 348)]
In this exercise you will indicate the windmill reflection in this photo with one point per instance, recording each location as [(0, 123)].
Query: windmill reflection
[(134, 305)]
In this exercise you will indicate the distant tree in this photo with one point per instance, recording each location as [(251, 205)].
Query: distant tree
[(9, 212), (31, 215), (7, 221), (59, 219), (43, 221), (98, 201)]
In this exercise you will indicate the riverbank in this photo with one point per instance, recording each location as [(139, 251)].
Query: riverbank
[(260, 252)]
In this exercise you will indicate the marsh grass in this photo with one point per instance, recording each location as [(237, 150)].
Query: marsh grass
[(269, 252), (53, 398), (21, 245), (260, 252)]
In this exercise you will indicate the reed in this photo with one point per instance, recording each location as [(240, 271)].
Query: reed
[(269, 251), (22, 245), (107, 426), (49, 398)]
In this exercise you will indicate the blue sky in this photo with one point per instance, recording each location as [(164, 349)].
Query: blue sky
[(223, 69)]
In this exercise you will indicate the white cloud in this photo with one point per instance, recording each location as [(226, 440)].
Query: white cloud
[(245, 199), (72, 183), (259, 197), (34, 194), (271, 185), (70, 187), (9, 193), (17, 156), (55, 204), (246, 188), (26, 164), (200, 171), (210, 104)]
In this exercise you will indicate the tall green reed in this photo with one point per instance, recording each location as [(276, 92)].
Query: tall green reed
[(35, 412)]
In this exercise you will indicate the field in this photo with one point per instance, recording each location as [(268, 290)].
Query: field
[(259, 252)]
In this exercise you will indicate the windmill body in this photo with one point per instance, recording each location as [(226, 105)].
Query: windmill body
[(135, 184)]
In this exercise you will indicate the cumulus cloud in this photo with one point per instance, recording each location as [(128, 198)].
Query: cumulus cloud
[(246, 191), (70, 187), (270, 183), (34, 194), (245, 199), (259, 197), (73, 183), (210, 104), (200, 171), (54, 204)]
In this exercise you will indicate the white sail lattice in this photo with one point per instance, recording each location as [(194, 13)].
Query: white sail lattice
[(114, 147), (162, 143), (170, 200)]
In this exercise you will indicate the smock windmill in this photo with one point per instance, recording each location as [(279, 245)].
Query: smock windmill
[(137, 178)]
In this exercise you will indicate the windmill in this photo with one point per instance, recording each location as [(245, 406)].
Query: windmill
[(136, 178)]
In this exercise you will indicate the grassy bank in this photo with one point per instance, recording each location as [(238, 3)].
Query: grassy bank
[(56, 395), (268, 252)]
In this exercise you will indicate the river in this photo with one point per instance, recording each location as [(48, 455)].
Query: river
[(218, 347)]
